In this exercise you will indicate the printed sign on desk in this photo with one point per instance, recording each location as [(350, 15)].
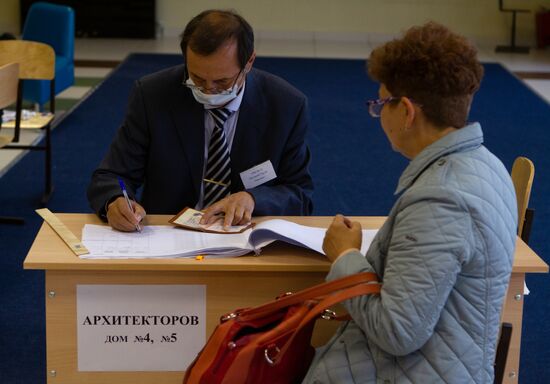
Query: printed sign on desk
[(140, 327)]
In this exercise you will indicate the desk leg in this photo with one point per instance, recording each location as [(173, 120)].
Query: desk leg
[(513, 313)]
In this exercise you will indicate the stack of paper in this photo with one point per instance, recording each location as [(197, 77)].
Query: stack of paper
[(154, 241)]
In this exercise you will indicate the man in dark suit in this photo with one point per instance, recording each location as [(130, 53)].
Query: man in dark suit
[(213, 134)]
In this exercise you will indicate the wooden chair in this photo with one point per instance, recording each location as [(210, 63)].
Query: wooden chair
[(9, 78), (523, 172), (36, 62)]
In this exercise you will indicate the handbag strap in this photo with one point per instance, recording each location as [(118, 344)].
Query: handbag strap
[(316, 292), (358, 290)]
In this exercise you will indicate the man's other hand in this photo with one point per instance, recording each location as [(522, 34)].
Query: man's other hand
[(237, 209)]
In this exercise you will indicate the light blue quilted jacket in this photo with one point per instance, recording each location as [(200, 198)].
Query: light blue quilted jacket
[(445, 256)]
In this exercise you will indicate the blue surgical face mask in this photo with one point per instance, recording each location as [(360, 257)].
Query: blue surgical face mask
[(212, 100)]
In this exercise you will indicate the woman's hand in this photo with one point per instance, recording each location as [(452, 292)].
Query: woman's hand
[(343, 234)]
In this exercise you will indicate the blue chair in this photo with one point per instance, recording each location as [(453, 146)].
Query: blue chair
[(53, 25)]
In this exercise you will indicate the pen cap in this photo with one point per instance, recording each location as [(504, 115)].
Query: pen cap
[(121, 183)]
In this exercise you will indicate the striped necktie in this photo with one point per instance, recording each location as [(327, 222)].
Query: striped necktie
[(217, 180)]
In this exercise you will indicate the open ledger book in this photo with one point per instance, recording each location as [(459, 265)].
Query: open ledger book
[(160, 241)]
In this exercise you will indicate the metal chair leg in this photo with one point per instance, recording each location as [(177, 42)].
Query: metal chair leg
[(502, 352), (529, 215), (48, 190)]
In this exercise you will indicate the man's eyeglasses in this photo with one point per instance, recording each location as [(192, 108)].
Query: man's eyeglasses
[(224, 87), (375, 106)]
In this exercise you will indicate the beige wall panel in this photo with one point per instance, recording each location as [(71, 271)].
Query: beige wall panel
[(9, 16), (477, 19), (379, 19)]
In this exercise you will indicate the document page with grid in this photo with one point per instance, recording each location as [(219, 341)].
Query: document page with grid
[(161, 241)]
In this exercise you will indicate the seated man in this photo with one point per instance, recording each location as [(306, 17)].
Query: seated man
[(212, 133)]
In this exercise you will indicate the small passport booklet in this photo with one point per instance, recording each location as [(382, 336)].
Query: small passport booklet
[(190, 218)]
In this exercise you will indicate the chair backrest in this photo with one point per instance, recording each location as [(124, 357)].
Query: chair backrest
[(523, 172), (36, 60), (52, 24), (9, 78)]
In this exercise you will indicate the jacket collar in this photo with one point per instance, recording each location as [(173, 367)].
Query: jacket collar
[(468, 137)]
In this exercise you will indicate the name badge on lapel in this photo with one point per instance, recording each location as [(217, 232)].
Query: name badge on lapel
[(258, 175)]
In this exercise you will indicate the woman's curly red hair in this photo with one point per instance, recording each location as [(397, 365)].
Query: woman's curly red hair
[(433, 66)]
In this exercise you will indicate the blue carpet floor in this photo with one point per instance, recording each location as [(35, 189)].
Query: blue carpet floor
[(354, 169)]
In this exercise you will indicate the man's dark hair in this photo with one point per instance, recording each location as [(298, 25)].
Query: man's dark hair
[(206, 32)]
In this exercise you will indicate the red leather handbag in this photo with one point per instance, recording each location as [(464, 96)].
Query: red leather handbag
[(272, 343)]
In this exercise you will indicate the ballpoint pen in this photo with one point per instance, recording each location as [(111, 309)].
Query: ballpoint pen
[(125, 193)]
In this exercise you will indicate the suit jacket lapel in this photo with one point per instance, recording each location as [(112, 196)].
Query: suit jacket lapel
[(250, 125), (188, 117)]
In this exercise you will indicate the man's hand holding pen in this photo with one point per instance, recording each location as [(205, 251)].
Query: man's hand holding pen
[(121, 217)]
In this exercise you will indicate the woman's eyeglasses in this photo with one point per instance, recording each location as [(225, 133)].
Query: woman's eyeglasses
[(375, 106)]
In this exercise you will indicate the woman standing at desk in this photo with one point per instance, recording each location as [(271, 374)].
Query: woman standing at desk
[(445, 252)]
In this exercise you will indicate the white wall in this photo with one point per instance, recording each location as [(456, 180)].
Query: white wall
[(477, 19)]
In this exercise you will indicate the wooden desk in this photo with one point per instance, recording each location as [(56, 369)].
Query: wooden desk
[(232, 283)]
